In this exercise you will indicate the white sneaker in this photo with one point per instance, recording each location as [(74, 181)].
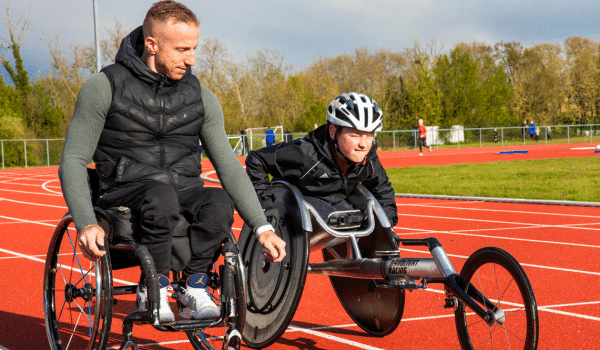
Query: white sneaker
[(165, 314), (197, 300)]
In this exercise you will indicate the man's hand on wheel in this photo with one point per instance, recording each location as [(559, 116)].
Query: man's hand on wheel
[(274, 245), (91, 242)]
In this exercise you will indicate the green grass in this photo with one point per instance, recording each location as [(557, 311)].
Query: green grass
[(575, 179)]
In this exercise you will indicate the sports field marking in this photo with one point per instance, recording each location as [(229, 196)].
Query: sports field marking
[(462, 233), (32, 203), (46, 187), (38, 193), (500, 210), (334, 338), (402, 249)]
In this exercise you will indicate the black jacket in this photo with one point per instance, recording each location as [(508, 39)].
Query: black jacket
[(152, 128), (307, 164)]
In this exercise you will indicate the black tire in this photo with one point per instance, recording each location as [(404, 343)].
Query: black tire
[(496, 274), (212, 338), (76, 318), (274, 289)]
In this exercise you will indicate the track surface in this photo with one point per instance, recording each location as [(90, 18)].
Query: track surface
[(557, 246)]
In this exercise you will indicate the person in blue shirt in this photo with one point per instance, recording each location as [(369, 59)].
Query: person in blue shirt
[(532, 130), (270, 137)]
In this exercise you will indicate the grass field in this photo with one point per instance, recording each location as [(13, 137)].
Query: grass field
[(576, 179)]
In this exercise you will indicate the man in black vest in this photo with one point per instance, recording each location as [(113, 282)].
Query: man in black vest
[(142, 119)]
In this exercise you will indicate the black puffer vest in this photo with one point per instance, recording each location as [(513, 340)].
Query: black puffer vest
[(152, 128)]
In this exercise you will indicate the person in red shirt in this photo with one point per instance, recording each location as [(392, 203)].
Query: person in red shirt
[(422, 137)]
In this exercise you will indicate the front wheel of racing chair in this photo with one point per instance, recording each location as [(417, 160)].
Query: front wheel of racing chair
[(79, 294)]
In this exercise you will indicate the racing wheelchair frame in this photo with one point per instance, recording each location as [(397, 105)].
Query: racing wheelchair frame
[(79, 294), (370, 277)]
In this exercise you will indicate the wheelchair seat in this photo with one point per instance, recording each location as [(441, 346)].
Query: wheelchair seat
[(79, 293)]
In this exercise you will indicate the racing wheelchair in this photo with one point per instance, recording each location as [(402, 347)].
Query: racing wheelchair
[(79, 294), (363, 262)]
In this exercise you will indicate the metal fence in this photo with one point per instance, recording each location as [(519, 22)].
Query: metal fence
[(47, 152)]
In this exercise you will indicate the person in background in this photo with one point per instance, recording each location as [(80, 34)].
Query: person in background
[(287, 137), (549, 133), (422, 137), (524, 129), (496, 135), (315, 126), (141, 120), (532, 130), (537, 133), (269, 137), (244, 140)]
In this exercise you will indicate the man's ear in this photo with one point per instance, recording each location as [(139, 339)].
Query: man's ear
[(332, 130), (151, 45)]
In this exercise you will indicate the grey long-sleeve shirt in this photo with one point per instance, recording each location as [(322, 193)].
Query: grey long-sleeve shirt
[(93, 103)]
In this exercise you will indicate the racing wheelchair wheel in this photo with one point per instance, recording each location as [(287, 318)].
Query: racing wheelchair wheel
[(215, 338), (496, 274), (78, 296), (274, 289)]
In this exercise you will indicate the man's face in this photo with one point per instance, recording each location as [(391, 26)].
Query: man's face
[(173, 47), (353, 143)]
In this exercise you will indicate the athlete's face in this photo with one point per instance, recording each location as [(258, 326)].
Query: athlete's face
[(353, 143), (172, 46)]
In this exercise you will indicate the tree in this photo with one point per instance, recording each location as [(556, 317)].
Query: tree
[(16, 31), (582, 88)]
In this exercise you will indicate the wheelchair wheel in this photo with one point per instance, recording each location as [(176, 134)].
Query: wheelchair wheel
[(77, 293), (213, 338), (274, 289), (496, 274)]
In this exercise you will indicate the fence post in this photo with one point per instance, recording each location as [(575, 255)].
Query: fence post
[(568, 135), (25, 148), (2, 153), (591, 133), (48, 152), (394, 139), (502, 136), (480, 132)]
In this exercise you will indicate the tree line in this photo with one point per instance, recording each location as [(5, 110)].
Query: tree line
[(471, 84)]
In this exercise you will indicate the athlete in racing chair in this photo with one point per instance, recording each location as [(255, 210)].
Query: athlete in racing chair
[(331, 167), (327, 163)]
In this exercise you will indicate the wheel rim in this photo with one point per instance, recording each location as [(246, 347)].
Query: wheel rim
[(75, 317), (504, 283)]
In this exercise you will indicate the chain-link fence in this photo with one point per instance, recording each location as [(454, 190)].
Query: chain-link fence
[(28, 153), (47, 152)]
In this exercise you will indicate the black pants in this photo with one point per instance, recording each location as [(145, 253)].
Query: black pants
[(209, 210), (422, 143)]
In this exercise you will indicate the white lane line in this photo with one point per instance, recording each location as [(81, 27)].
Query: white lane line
[(30, 257), (27, 221), (569, 314), (522, 264), (334, 338), (154, 344), (31, 203), (466, 219), (45, 186), (499, 210), (462, 233), (38, 193)]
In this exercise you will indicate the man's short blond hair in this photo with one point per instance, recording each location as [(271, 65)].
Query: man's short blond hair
[(166, 11)]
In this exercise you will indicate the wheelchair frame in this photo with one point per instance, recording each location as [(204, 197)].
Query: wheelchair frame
[(383, 270), (232, 283)]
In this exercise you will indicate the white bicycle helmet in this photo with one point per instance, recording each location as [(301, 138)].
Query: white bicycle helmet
[(356, 111)]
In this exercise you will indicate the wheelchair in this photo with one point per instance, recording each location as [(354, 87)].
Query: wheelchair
[(361, 257), (79, 294)]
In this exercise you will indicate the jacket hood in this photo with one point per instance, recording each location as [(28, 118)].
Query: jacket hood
[(130, 55)]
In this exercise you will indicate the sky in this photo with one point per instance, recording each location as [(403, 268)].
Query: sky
[(306, 29)]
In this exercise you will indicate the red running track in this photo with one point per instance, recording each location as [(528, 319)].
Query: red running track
[(557, 246)]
